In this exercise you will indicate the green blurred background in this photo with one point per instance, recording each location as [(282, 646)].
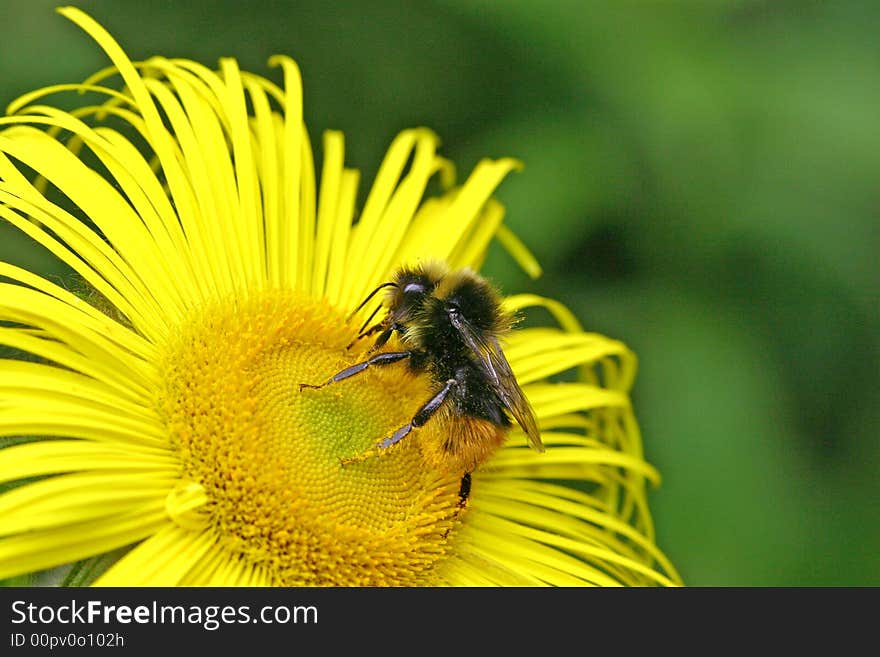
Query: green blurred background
[(701, 182)]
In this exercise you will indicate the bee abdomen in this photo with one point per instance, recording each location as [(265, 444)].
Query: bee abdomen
[(459, 443)]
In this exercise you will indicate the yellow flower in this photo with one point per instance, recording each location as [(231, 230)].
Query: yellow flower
[(220, 272)]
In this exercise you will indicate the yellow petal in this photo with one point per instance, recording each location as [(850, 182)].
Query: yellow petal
[(56, 456), (40, 345), (78, 498), (161, 560), (286, 250), (41, 549), (328, 213)]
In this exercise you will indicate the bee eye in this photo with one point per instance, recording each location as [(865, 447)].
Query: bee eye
[(413, 288)]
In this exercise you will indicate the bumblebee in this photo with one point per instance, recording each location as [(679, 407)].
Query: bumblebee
[(448, 323)]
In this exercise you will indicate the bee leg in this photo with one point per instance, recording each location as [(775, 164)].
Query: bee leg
[(366, 332), (464, 491), (379, 359), (421, 417), (383, 337)]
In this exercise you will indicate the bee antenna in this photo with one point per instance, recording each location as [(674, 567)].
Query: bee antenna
[(369, 319), (370, 296)]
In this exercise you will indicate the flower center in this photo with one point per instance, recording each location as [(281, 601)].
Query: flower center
[(269, 456)]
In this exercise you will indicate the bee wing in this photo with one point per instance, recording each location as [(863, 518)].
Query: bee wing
[(503, 381)]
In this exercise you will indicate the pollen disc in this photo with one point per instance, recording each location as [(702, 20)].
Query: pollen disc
[(269, 455)]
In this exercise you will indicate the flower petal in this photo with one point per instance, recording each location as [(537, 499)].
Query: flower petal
[(96, 335), (41, 549), (46, 382), (388, 211), (328, 213), (339, 259), (39, 344), (286, 249), (97, 199), (79, 498), (161, 560), (56, 456), (453, 221), (72, 421)]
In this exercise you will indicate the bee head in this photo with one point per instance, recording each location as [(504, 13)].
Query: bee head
[(412, 287)]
